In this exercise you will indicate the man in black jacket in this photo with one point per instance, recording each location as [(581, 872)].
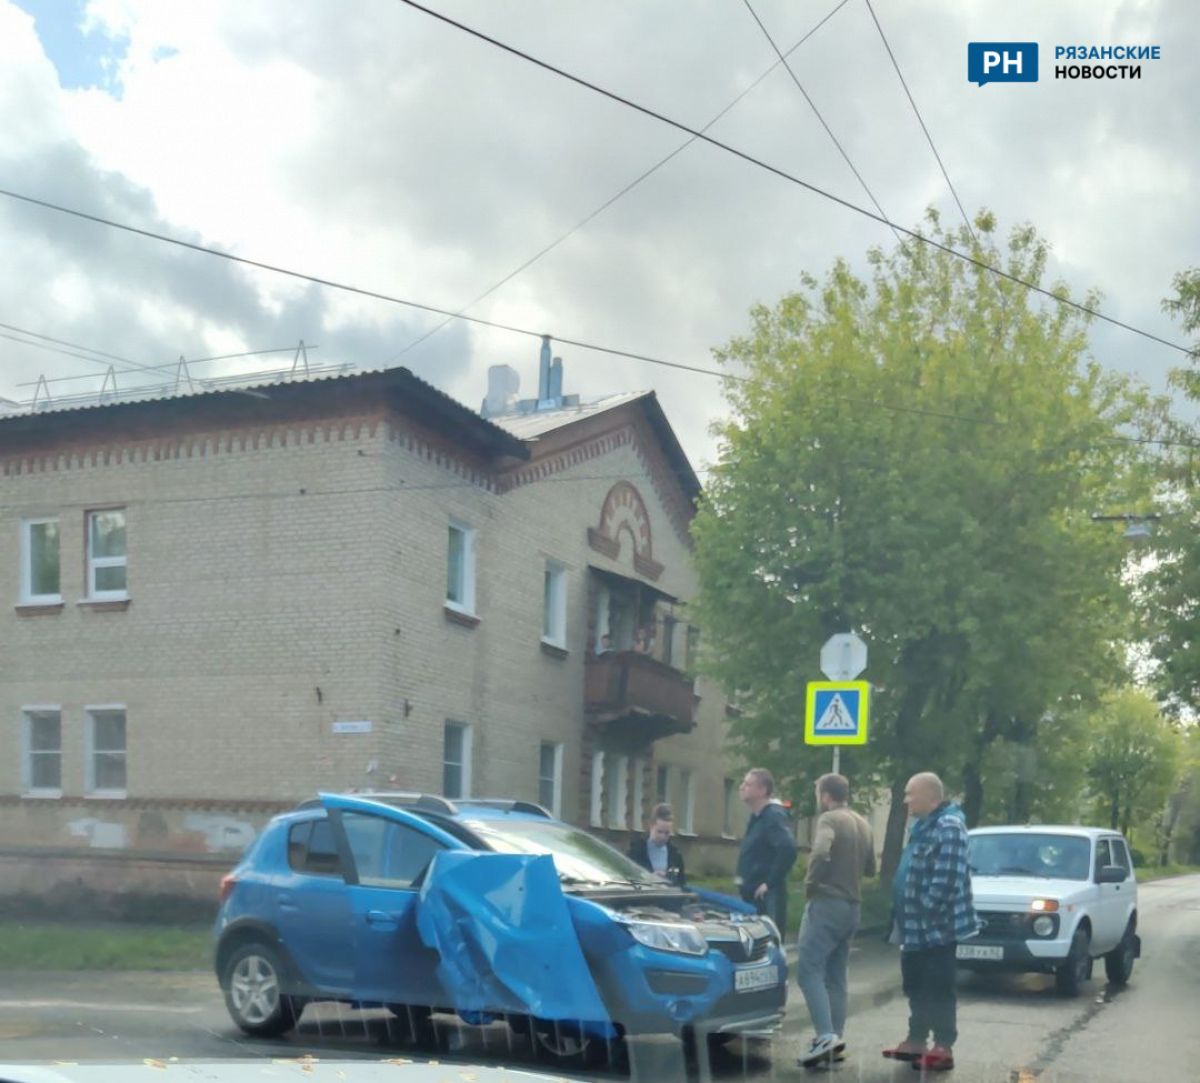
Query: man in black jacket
[(768, 849), (655, 851)]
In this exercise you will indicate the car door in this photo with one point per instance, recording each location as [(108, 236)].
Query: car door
[(1107, 924), (313, 912), (388, 851), (1127, 893)]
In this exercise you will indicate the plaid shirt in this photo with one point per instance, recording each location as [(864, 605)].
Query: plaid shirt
[(937, 907)]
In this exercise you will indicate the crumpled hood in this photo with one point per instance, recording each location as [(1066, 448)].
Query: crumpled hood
[(503, 931)]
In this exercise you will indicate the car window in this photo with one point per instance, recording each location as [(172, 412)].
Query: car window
[(1103, 854), (579, 857), (1121, 856), (387, 854), (1024, 853), (311, 849)]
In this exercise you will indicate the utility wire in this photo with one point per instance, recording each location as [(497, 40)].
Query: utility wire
[(921, 120), (792, 178), (627, 189), (813, 106)]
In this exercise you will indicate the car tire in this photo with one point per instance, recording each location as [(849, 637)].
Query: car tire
[(1118, 963), (1070, 976), (564, 1044), (253, 979)]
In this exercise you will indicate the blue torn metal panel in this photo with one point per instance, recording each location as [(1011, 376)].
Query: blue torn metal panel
[(502, 928)]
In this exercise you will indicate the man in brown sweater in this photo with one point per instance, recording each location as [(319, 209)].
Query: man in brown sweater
[(843, 851)]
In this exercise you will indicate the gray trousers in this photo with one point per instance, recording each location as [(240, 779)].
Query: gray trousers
[(823, 963)]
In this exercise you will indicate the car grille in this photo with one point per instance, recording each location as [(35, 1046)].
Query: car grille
[(735, 951), (1004, 926)]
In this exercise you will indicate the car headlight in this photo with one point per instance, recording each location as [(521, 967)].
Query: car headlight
[(684, 939), (1043, 925)]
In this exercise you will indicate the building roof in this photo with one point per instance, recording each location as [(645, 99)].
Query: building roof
[(397, 387), (539, 423)]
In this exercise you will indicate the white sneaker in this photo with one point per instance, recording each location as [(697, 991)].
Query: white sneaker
[(822, 1050)]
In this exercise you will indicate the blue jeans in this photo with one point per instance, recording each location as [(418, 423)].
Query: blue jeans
[(823, 961)]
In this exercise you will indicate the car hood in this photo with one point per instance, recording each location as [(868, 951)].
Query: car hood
[(1018, 890)]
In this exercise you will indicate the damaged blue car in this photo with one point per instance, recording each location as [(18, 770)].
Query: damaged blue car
[(492, 911)]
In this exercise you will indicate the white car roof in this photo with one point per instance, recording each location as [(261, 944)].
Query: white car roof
[(1049, 829)]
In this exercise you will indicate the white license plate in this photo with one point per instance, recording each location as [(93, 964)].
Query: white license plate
[(978, 951), (759, 977)]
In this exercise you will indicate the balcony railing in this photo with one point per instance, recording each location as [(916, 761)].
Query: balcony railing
[(639, 695)]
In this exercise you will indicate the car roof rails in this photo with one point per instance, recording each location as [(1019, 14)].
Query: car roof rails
[(427, 802), (506, 805)]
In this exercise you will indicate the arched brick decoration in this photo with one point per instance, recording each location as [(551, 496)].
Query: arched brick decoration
[(625, 510)]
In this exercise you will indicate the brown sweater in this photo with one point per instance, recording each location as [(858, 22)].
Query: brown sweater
[(843, 852)]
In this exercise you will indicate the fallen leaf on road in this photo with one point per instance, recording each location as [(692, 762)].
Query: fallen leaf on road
[(152, 1062)]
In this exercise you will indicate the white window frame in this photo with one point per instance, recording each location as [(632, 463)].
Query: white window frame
[(596, 817), (27, 787), (554, 605), (729, 795), (467, 748), (90, 788), (618, 812), (687, 786), (26, 593), (467, 605), (556, 780), (94, 562), (663, 769), (638, 768)]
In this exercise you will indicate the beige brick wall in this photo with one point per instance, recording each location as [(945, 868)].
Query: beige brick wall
[(281, 587)]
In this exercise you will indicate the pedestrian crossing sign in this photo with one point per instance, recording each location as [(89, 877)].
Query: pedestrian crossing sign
[(837, 712)]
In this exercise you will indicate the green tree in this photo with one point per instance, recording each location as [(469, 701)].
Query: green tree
[(914, 455), (1134, 757)]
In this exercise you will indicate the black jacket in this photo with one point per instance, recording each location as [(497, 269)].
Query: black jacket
[(768, 850), (640, 853)]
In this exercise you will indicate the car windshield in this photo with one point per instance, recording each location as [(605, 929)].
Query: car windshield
[(581, 859), (1020, 853)]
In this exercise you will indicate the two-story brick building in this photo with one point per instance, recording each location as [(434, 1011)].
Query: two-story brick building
[(222, 602)]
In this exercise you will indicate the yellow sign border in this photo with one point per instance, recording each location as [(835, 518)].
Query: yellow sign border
[(863, 688)]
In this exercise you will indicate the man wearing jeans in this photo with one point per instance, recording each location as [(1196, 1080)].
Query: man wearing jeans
[(933, 910), (843, 851)]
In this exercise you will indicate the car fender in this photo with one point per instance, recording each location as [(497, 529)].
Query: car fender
[(250, 930)]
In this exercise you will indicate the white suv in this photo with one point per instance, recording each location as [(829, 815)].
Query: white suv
[(1053, 899)]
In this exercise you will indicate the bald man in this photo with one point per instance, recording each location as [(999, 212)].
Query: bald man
[(933, 910)]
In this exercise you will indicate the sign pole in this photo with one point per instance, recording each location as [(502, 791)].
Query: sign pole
[(837, 759)]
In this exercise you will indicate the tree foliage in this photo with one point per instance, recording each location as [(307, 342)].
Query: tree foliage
[(1134, 756), (913, 454)]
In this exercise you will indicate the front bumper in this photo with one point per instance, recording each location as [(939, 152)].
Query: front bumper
[(654, 992)]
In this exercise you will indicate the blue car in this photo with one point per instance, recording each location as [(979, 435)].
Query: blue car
[(491, 910)]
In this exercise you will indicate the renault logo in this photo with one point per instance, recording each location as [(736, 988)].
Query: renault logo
[(747, 939)]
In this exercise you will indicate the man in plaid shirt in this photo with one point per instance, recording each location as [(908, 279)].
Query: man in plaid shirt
[(932, 911)]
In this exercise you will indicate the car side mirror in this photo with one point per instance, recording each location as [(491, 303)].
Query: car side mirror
[(1111, 874)]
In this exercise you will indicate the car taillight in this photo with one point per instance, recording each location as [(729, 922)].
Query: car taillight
[(227, 883)]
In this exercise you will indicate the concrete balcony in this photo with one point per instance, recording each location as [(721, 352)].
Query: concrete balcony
[(637, 697)]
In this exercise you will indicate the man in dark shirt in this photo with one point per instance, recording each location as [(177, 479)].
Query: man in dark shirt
[(655, 851), (768, 848)]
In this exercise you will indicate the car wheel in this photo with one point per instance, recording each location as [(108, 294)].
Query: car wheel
[(565, 1043), (1069, 977), (254, 991), (1118, 963)]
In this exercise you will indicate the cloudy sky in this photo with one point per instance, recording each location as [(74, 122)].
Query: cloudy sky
[(362, 141)]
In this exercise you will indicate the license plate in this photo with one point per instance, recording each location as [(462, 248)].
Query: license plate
[(759, 977), (978, 951)]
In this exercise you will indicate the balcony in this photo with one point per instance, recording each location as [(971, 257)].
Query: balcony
[(637, 697)]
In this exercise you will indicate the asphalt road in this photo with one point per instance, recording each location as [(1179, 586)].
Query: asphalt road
[(1013, 1029)]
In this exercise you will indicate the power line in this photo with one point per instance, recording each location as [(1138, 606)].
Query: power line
[(792, 178), (626, 190), (73, 345), (921, 120), (813, 106)]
